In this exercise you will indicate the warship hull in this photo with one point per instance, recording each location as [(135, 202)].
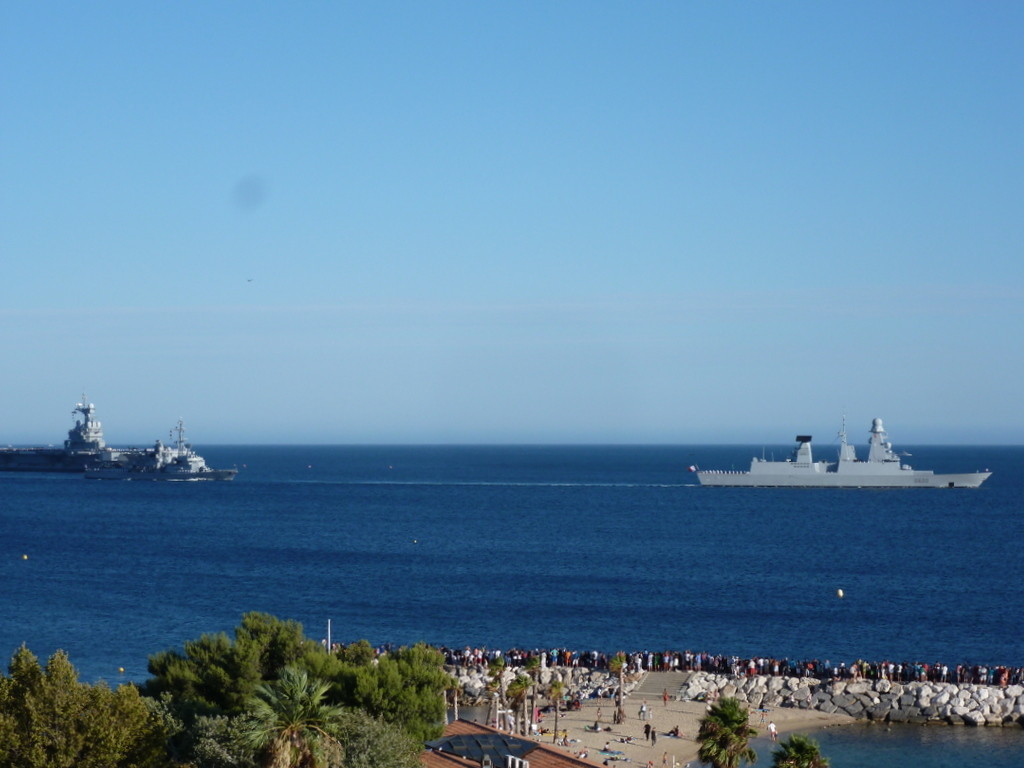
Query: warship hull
[(149, 473), (913, 479), (44, 460), (883, 468)]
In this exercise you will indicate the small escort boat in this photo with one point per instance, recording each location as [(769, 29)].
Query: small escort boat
[(161, 462), (882, 469)]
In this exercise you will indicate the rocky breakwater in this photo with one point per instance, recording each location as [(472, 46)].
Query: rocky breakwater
[(577, 682), (881, 700)]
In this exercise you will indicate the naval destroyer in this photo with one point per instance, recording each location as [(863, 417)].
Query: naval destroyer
[(161, 462), (882, 469)]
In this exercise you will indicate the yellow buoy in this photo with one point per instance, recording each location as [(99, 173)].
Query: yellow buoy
[(839, 593), (121, 670), (24, 557)]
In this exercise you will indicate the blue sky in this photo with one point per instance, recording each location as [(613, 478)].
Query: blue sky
[(512, 222)]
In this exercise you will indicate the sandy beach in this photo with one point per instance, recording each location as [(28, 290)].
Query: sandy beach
[(667, 750)]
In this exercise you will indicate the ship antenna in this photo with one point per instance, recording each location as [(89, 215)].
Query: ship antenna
[(180, 429)]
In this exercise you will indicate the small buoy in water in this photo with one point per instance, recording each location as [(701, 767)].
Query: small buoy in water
[(121, 670), (415, 541), (24, 557), (839, 594)]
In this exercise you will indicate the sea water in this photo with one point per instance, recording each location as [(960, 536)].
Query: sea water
[(605, 547), (913, 746)]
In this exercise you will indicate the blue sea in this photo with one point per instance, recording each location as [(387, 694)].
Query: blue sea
[(601, 547)]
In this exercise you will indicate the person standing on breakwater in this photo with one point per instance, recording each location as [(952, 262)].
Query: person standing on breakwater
[(773, 731)]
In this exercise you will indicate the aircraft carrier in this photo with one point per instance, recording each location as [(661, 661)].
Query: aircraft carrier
[(84, 448)]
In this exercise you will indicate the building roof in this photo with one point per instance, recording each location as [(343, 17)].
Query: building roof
[(465, 744), (477, 744)]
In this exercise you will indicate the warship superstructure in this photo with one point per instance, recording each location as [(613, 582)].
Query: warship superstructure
[(882, 469), (84, 447), (161, 462)]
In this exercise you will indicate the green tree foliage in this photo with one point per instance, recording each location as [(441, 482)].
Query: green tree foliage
[(617, 666), (799, 751), (219, 741), (518, 690), (359, 654), (496, 683), (218, 675), (532, 667), (496, 676), (204, 741), (405, 688), (291, 725), (49, 719), (371, 743), (556, 692), (724, 735), (204, 675)]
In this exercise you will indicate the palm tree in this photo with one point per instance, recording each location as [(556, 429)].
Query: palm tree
[(518, 691), (799, 751), (496, 685), (532, 667), (455, 688), (617, 666), (556, 693), (724, 735), (291, 725)]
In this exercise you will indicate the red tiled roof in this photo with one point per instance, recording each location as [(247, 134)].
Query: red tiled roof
[(431, 759)]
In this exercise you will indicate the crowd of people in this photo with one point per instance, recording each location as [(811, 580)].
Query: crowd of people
[(686, 661)]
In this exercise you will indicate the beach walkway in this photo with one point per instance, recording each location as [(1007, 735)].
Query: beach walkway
[(654, 685), (629, 744)]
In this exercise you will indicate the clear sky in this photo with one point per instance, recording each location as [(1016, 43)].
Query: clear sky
[(467, 221)]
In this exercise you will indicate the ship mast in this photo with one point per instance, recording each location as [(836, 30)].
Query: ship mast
[(179, 442), (846, 451)]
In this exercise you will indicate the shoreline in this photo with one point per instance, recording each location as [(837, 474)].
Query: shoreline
[(880, 700), (676, 702), (663, 717)]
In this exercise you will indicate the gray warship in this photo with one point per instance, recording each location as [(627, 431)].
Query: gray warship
[(84, 447), (882, 469), (161, 462), (86, 452)]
